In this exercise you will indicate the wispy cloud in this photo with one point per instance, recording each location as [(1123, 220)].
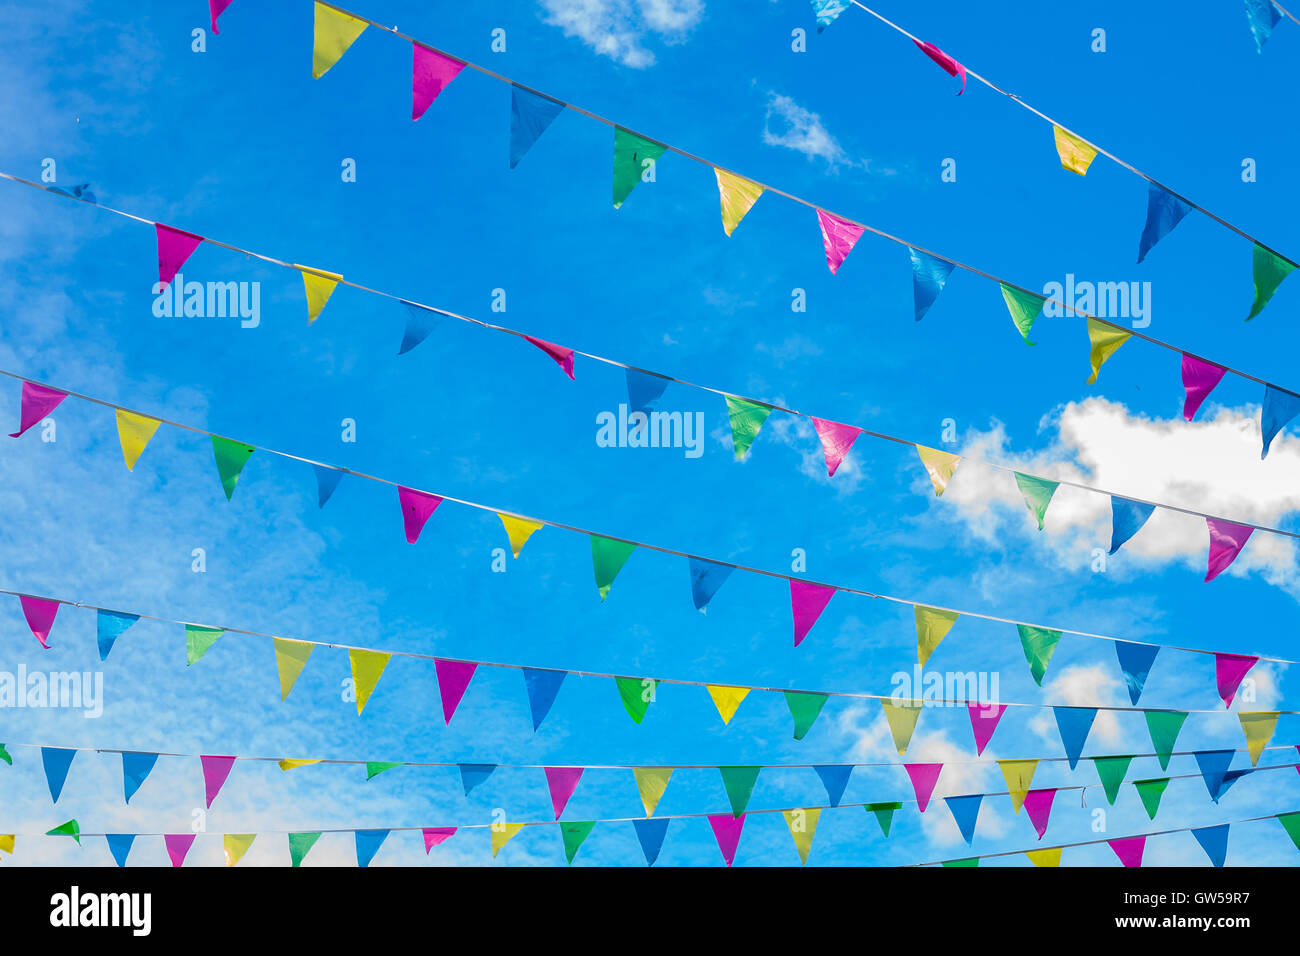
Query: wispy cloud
[(619, 29), (791, 126)]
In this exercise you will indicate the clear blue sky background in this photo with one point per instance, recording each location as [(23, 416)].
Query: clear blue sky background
[(239, 143)]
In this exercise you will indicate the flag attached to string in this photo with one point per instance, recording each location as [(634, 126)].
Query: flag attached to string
[(726, 830), (561, 782), (634, 159), (1258, 727), (1050, 857), (965, 812), (1076, 154), (136, 768), (178, 845), (1129, 850), (327, 479), (737, 195), (367, 667), (1280, 407), (1019, 775), (109, 626), (727, 700), (884, 814), (335, 31), (1074, 723), (1214, 841), (1104, 340), (420, 322), (803, 825), (1229, 671), (561, 356), (503, 833), (573, 835), (932, 626), (37, 402), (416, 507), (199, 640), (431, 73), (436, 836), (706, 578), (1164, 211), (542, 687), (836, 441), (1126, 519), (453, 679), (1263, 16), (56, 761), (651, 784), (637, 694), (1269, 269), (1135, 661), (644, 390), (739, 784), (608, 555), (1038, 494), (119, 844), (804, 708), (39, 614), (1226, 541), (1111, 771), (231, 457), (939, 465), (807, 601), (1164, 726), (746, 418), (174, 247), (650, 834), (530, 115), (827, 10), (1024, 307), (290, 659), (983, 721), (929, 275), (368, 843), (300, 844), (839, 237), (924, 776), (319, 286), (1199, 379), (472, 774), (1150, 792), (901, 715), (949, 65), (216, 8), (835, 778), (215, 771), (518, 531), (1039, 644), (134, 432), (1038, 807)]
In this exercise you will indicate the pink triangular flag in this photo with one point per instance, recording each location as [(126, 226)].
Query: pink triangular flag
[(807, 601), (562, 781), (178, 844), (1199, 379), (174, 247), (38, 401), (836, 439), (40, 617), (436, 836), (1038, 804), (563, 357), (217, 8), (453, 678), (924, 777), (839, 236), (984, 720), (1229, 670), (950, 66), (726, 829), (1226, 541), (416, 508), (215, 772), (431, 72), (1129, 849)]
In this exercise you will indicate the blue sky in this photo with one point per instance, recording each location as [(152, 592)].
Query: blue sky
[(239, 143)]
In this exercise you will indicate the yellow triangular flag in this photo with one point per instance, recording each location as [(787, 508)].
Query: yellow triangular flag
[(519, 530), (1048, 857), (1076, 155), (651, 782), (366, 668), (7, 842), (939, 465), (293, 763), (290, 659), (803, 825), (738, 197), (502, 833), (320, 286), (727, 699), (236, 845), (1018, 774), (1105, 341), (335, 32), (932, 626), (902, 716), (1258, 727), (134, 431)]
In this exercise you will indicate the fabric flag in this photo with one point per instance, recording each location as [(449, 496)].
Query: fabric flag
[(1229, 671), (807, 601), (216, 8), (827, 10), (1291, 824), (1104, 340), (1045, 858), (453, 678), (901, 716), (1076, 155), (1038, 494), (416, 507), (56, 761), (738, 197), (1270, 269), (1199, 379), (1038, 805), (644, 390), (1126, 519), (650, 834), (4, 755), (420, 323), (1074, 723), (1039, 644), (561, 782), (983, 721), (530, 115), (174, 247), (7, 842), (884, 813), (1164, 211), (835, 778), (574, 834), (375, 767), (939, 465), (231, 456), (726, 830), (109, 626), (1018, 774), (950, 66), (293, 763), (924, 776), (431, 73), (706, 578), (1263, 16), (367, 666), (651, 782), (804, 708), (727, 699), (839, 237), (634, 156), (1129, 849), (637, 694), (335, 31), (929, 275), (1279, 408), (134, 432), (562, 356), (1214, 765), (135, 769), (119, 844), (199, 640), (803, 825), (542, 687), (503, 833), (739, 784), (301, 843), (368, 843), (932, 626), (1111, 771), (436, 836), (327, 479), (290, 659), (40, 617), (608, 555), (319, 286), (215, 772), (1024, 307), (836, 440), (1258, 728), (746, 418), (472, 774), (1151, 791), (71, 828), (1226, 541), (1163, 726), (37, 402), (1214, 841), (965, 811), (972, 861), (1135, 661), (178, 845), (518, 530)]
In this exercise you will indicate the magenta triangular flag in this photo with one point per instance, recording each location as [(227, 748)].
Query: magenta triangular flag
[(924, 777), (562, 781), (217, 8), (431, 72), (726, 829), (174, 247), (836, 439), (453, 678), (416, 508), (38, 401), (839, 236), (215, 772), (178, 844), (40, 617), (1199, 379), (807, 601), (984, 720), (563, 357), (1129, 849), (1229, 670), (435, 836), (1038, 804), (1226, 541)]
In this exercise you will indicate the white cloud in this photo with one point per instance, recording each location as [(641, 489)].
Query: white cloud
[(791, 126), (618, 28)]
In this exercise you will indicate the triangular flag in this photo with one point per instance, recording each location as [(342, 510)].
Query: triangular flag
[(1018, 774), (827, 10), (1129, 850), (929, 276), (1263, 16), (1229, 671), (518, 530), (950, 66), (530, 115), (1024, 307), (290, 659), (472, 774), (216, 8), (836, 440), (726, 830), (1039, 644), (231, 456), (651, 782), (1279, 408), (884, 813), (453, 678), (1038, 806), (1048, 857), (416, 506), (939, 465), (835, 778), (746, 418), (1269, 269), (561, 782), (804, 708), (215, 772), (374, 768), (738, 197), (178, 845), (56, 761), (368, 843), (40, 617), (1135, 661), (965, 811), (807, 601), (109, 626), (839, 236), (135, 769), (367, 666), (134, 432), (1037, 493), (803, 825), (1199, 379), (319, 286), (1151, 791), (901, 716), (1111, 771), (574, 834), (542, 687), (301, 843), (1076, 155), (637, 694), (37, 402), (1214, 765), (1074, 723), (983, 721), (431, 73), (932, 626), (503, 833), (608, 555), (4, 755), (436, 836), (1164, 725), (1258, 727), (560, 355), (1164, 211), (119, 844), (706, 578), (1214, 841), (650, 834), (971, 861), (335, 31), (420, 323), (644, 390), (1291, 824), (634, 156), (727, 699), (1126, 519), (71, 828), (293, 763), (924, 776), (739, 783), (1226, 541), (174, 247), (199, 640)]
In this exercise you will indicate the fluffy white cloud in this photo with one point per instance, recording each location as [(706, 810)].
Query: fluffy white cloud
[(789, 125), (618, 28)]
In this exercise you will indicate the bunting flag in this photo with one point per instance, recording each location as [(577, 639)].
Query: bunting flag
[(542, 687), (1270, 269), (293, 763), (726, 830), (804, 708), (453, 678), (134, 432), (420, 323), (1126, 519), (884, 814), (1226, 541), (727, 699), (827, 10), (235, 845), (1229, 671), (746, 418), (637, 694), (1104, 340), (1074, 723), (1214, 765), (1279, 408), (1024, 307), (651, 783), (561, 782), (518, 530), (644, 389), (40, 617), (135, 769), (531, 113), (939, 465), (1038, 806), (109, 626), (803, 825), (929, 275), (1039, 644), (216, 8), (839, 236), (174, 247), (327, 479), (1151, 791), (1135, 661), (1164, 211), (231, 456), (902, 716), (1262, 16), (215, 772), (368, 843), (178, 845), (924, 776), (472, 774), (56, 762), (290, 659), (1129, 850), (1199, 379), (560, 355), (972, 861), (1018, 774), (119, 844), (965, 811), (503, 833), (199, 640), (949, 65), (37, 402), (436, 836), (1038, 494), (1258, 728), (983, 721), (807, 601), (335, 31), (738, 196), (374, 768), (634, 156), (706, 578), (416, 507), (4, 755), (319, 286), (1046, 858), (574, 834), (739, 784), (932, 626), (608, 555), (835, 778), (1291, 824), (431, 73), (367, 666), (650, 834), (1076, 155), (1214, 841), (836, 441), (300, 844), (71, 828), (1111, 772)]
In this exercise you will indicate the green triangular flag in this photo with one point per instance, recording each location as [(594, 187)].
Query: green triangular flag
[(884, 814), (1039, 643), (574, 834), (1024, 308), (630, 154), (71, 828), (637, 693), (1151, 791), (804, 708), (299, 844), (375, 768), (1164, 726), (746, 419), (1291, 823), (231, 457), (4, 755), (1038, 494), (198, 640), (1111, 770), (1270, 269), (739, 782), (973, 861), (608, 556)]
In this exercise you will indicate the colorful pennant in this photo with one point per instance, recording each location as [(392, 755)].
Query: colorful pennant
[(37, 402), (737, 195), (531, 113), (431, 73), (839, 236), (335, 31)]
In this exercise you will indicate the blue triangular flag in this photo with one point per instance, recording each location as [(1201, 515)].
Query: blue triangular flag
[(530, 114), (1126, 519), (472, 774), (56, 761), (834, 778), (1135, 661), (135, 767), (1279, 408), (119, 844), (965, 810), (1263, 17), (542, 686), (827, 10), (651, 833), (1214, 767), (1074, 724), (706, 578), (1229, 778), (109, 626), (327, 479), (644, 390), (1214, 841), (420, 321), (1164, 211), (81, 191), (368, 844), (929, 276)]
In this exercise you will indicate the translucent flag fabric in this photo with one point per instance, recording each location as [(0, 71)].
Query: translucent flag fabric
[(531, 113), (1164, 211)]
